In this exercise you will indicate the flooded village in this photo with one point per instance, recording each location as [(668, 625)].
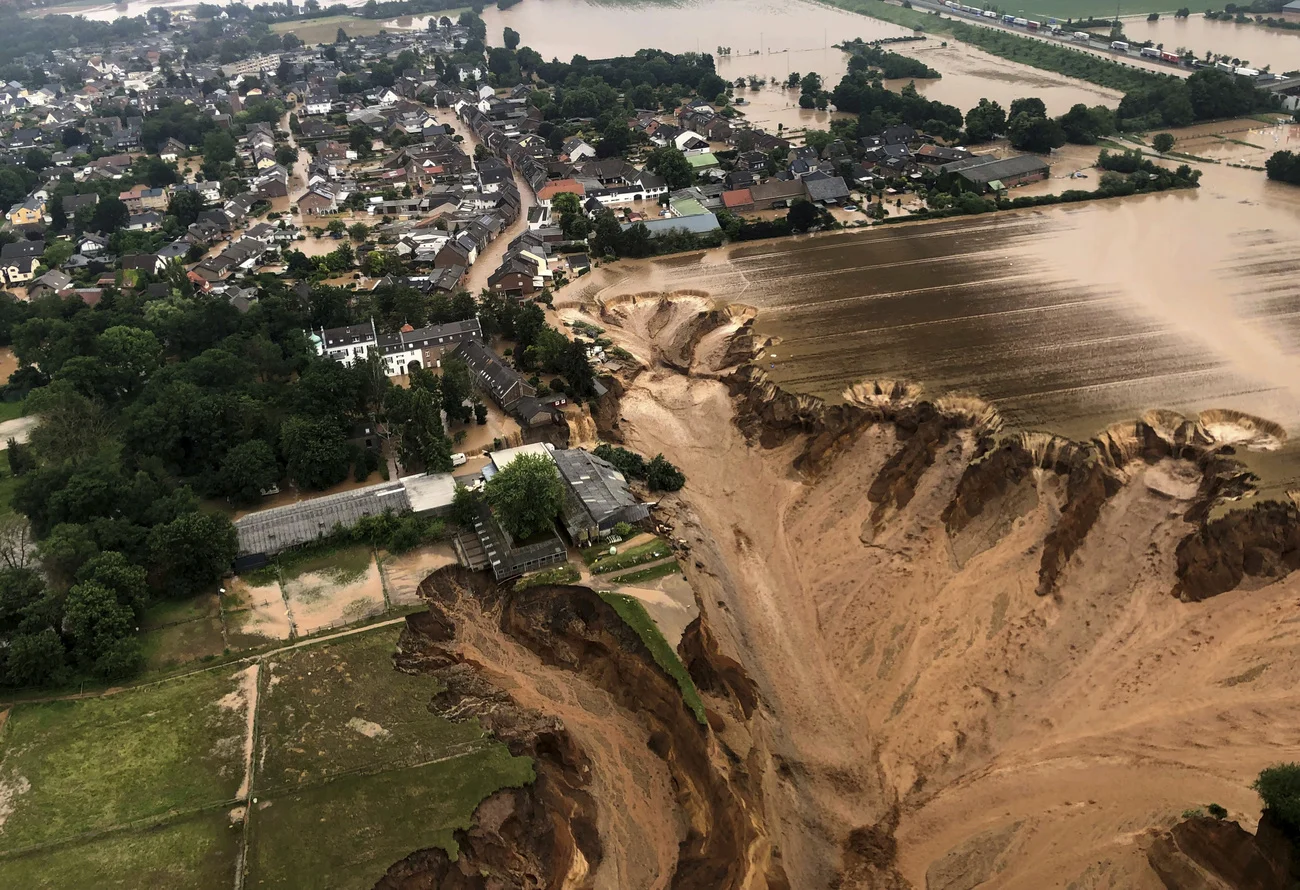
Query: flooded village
[(631, 446)]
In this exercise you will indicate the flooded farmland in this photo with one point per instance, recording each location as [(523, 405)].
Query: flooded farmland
[(770, 40), (1066, 318)]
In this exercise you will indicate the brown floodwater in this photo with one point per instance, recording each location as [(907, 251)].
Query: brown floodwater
[(1256, 44), (771, 40), (1066, 319)]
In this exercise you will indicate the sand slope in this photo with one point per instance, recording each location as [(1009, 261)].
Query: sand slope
[(997, 736)]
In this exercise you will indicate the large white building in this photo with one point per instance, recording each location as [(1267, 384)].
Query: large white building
[(400, 351)]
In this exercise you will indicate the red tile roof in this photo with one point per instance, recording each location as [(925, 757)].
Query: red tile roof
[(551, 189), (737, 198)]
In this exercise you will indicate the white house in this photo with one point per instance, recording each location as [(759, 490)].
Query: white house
[(317, 103), (419, 347), (578, 150)]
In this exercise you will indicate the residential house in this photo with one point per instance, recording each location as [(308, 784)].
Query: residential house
[(27, 213), (52, 282), (19, 270)]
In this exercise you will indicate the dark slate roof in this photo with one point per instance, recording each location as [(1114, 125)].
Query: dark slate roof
[(983, 169), (596, 492)]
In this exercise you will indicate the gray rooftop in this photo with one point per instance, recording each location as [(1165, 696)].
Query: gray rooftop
[(280, 528), (597, 493), (983, 169), (699, 224)]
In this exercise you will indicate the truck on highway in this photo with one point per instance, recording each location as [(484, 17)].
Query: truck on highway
[(1167, 56), (1008, 20), (1149, 52), (1082, 36), (1032, 25), (1119, 45), (989, 14), (1019, 21)]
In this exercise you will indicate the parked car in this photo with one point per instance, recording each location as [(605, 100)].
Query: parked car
[(458, 459), (851, 208)]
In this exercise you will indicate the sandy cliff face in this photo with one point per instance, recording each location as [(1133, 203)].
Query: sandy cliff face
[(977, 660)]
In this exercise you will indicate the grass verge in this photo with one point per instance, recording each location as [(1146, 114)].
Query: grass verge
[(1012, 47), (630, 610), (197, 851), (71, 767), (12, 410), (341, 708), (650, 574), (632, 556), (565, 574)]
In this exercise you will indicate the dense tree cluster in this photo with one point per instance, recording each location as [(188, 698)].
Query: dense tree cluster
[(1207, 94), (526, 496), (878, 107), (890, 65), (658, 473), (1284, 166)]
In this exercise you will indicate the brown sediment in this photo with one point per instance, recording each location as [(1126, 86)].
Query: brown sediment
[(496, 653), (912, 708), (1203, 852)]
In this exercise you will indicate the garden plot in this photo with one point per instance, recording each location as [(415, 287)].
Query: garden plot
[(333, 589)]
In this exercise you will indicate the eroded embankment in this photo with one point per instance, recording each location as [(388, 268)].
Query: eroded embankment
[(1263, 541), (928, 715), (549, 834)]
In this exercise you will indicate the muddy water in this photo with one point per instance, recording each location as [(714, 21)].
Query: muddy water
[(771, 40), (1252, 43), (1067, 319)]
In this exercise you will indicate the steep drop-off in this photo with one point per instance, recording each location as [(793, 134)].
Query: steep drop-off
[(924, 713), (556, 674)]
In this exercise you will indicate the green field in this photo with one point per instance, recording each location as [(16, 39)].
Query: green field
[(179, 631), (324, 30), (1046, 9), (98, 763), (345, 834), (142, 789), (651, 574), (342, 708), (626, 559), (197, 851), (11, 410)]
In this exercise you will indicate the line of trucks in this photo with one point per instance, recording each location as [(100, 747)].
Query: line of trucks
[(1149, 52)]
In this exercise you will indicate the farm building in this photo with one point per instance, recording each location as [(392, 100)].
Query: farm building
[(596, 496), (265, 533), (983, 173)]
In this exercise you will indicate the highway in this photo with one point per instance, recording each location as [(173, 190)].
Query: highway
[(1097, 47)]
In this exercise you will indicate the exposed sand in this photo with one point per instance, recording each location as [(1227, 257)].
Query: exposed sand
[(256, 611), (639, 820), (1056, 732), (318, 600), (403, 574), (669, 602), (245, 698)]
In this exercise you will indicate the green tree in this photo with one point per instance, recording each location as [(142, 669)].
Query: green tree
[(802, 215), (1031, 105), (1278, 787), (672, 165), (359, 231), (314, 452), (248, 469), (663, 476), (1037, 134), (510, 38), (1163, 142), (112, 571), (110, 215), (186, 206), (34, 659), (526, 495), (985, 121), (218, 148), (57, 253), (100, 630), (565, 203), (192, 552), (337, 227)]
